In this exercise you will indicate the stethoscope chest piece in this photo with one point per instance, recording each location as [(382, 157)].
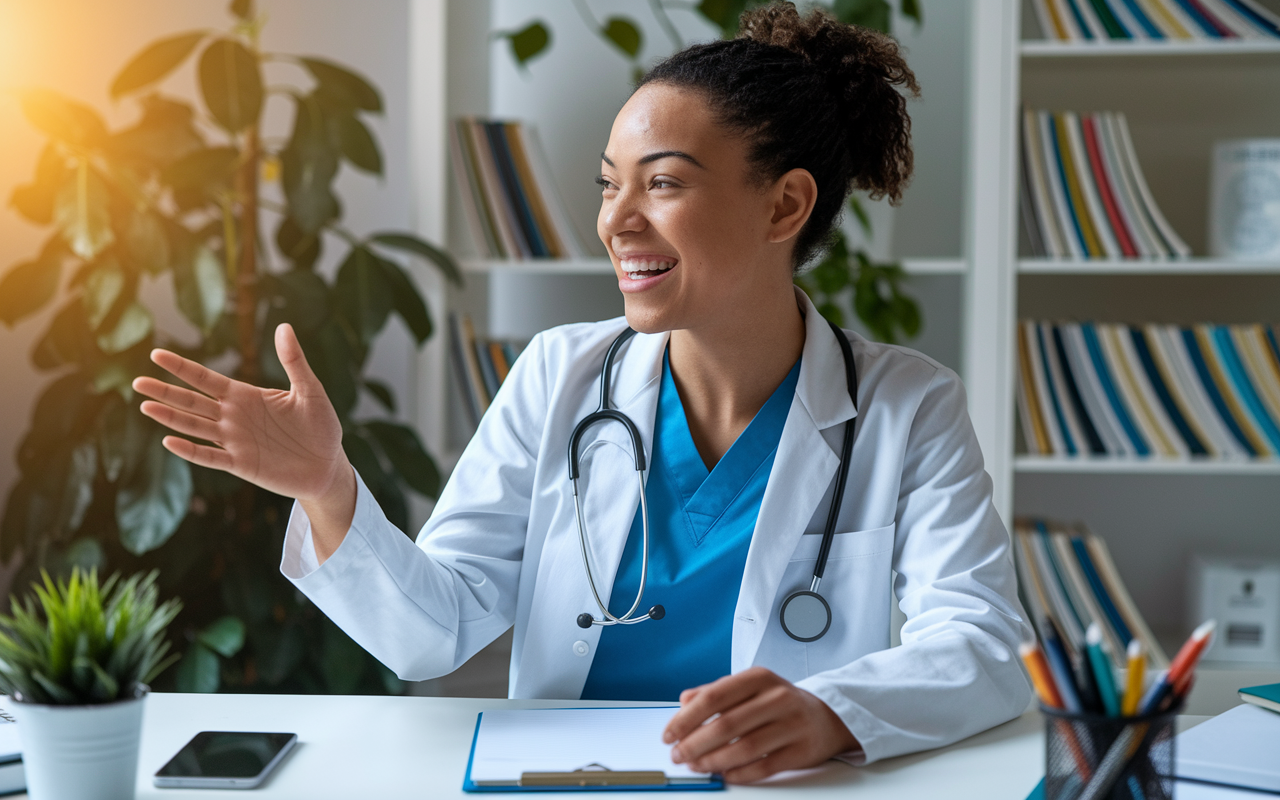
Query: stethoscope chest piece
[(805, 616)]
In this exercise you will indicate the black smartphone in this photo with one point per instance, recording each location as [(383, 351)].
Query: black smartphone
[(225, 760)]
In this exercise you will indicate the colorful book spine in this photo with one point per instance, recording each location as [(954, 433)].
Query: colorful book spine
[(508, 196), (1103, 20), (480, 365), (1160, 391)]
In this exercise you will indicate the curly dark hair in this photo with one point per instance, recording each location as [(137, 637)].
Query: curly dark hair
[(812, 93)]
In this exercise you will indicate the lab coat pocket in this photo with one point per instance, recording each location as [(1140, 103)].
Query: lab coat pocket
[(857, 585)]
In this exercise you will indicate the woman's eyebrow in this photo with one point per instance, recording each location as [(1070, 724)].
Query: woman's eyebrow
[(659, 155)]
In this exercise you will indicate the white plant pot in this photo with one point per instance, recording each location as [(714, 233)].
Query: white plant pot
[(80, 752)]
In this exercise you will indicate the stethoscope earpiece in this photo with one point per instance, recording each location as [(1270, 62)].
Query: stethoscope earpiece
[(805, 615)]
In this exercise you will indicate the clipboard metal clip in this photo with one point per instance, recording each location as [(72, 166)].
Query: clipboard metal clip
[(594, 775)]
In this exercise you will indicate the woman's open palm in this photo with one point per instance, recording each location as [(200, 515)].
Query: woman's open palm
[(287, 442)]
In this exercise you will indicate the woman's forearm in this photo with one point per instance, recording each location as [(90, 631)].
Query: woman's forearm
[(331, 513)]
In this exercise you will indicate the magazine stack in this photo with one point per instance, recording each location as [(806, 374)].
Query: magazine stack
[(1100, 20)]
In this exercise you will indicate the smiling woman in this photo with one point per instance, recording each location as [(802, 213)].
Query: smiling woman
[(778, 456)]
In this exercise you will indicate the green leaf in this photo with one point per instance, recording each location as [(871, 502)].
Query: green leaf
[(362, 295), (201, 287), (724, 13), (343, 662), (63, 119), (81, 212), (85, 554), (407, 456), (406, 301), (412, 244), (860, 213), (623, 33), (302, 295), (241, 9), (529, 42), (364, 459), (145, 243), (224, 636), (358, 145), (206, 169), (155, 62), (302, 248), (28, 287), (331, 356), (102, 289), (165, 133), (199, 670), (134, 325), (874, 14), (344, 83), (382, 393), (67, 341), (231, 82), (35, 200), (309, 163), (911, 9), (153, 502), (121, 439), (77, 493)]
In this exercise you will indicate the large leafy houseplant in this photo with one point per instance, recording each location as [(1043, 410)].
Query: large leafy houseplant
[(844, 274), (177, 199)]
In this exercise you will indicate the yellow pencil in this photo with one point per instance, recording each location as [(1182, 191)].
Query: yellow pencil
[(1137, 675), (1041, 678)]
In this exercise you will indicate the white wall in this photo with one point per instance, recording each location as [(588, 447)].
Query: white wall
[(77, 47)]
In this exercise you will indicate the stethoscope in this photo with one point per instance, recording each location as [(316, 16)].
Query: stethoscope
[(805, 614)]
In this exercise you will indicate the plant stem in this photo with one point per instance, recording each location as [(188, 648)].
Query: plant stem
[(664, 19), (246, 275)]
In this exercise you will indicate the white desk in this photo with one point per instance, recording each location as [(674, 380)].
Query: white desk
[(387, 748)]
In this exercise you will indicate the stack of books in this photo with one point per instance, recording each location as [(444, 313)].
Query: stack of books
[(1093, 20), (480, 365), (507, 194), (1084, 194), (1208, 391), (1067, 579)]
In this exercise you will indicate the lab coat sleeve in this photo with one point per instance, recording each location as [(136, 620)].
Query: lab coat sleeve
[(424, 608), (957, 672)]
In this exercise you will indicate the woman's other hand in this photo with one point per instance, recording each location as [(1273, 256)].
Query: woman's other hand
[(765, 725), (287, 442)]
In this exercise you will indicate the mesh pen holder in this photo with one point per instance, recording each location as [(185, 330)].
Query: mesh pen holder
[(1095, 757)]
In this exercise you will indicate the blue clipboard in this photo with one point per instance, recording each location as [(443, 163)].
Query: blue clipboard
[(590, 780)]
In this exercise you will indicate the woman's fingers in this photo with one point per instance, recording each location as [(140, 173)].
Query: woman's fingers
[(294, 361), (197, 375), (198, 454), (789, 757), (182, 421), (178, 397)]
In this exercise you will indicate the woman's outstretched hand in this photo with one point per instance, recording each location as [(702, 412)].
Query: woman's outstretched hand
[(287, 442)]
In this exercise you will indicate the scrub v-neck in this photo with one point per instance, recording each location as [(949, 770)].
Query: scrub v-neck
[(700, 527)]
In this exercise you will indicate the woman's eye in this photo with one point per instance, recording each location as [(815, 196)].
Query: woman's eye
[(604, 183), (662, 183)]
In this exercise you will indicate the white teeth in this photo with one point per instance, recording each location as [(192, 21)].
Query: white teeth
[(635, 269)]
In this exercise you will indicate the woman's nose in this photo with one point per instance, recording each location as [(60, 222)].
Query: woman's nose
[(623, 213)]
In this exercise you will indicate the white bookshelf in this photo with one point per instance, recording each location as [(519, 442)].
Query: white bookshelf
[(1179, 97)]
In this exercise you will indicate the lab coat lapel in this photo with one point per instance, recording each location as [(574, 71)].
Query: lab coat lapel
[(802, 472)]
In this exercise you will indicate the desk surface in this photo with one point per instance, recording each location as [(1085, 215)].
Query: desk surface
[(416, 747)]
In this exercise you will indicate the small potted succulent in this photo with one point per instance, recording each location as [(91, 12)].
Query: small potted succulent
[(75, 660)]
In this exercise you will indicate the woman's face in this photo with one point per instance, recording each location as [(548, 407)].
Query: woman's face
[(688, 229)]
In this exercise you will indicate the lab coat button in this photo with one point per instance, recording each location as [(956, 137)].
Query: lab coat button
[(581, 648)]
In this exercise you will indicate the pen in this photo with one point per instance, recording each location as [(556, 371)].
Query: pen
[(1183, 664), (1102, 669), (1041, 678), (1137, 656), (1056, 654)]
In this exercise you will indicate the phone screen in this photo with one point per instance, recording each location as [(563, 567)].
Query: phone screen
[(226, 754)]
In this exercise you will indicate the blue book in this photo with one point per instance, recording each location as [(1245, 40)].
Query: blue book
[(1205, 24), (511, 185), (1072, 211), (1250, 13), (1239, 376), (1079, 18), (1100, 590), (1143, 20), (1073, 394), (1109, 387), (1210, 388), (1162, 391), (1058, 411)]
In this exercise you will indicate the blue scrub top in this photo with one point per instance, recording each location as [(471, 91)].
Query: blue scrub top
[(700, 526)]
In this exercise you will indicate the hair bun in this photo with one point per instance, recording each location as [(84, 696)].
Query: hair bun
[(864, 69)]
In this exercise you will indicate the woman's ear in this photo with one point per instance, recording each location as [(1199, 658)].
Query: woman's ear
[(794, 195)]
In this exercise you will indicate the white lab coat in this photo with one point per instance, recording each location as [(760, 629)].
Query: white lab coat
[(501, 548)]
